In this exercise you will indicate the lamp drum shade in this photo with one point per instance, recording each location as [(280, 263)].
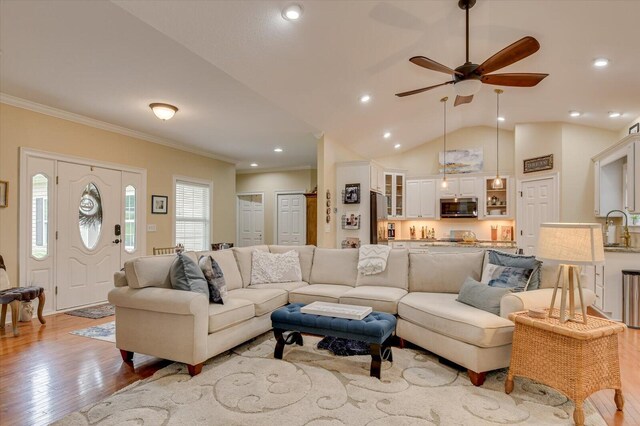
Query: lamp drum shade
[(571, 243)]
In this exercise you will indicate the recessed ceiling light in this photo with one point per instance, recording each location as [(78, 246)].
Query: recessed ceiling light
[(278, 149), (600, 62), (613, 114), (575, 113), (397, 146), (163, 111), (365, 98), (292, 12), (501, 118), (254, 164), (386, 135)]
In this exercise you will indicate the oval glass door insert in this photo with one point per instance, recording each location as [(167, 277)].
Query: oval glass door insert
[(90, 216)]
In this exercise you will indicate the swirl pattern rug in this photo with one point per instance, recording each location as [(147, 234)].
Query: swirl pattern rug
[(247, 386)]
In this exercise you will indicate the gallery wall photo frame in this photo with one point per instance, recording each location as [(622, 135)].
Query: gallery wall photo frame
[(634, 129), (4, 193), (351, 193), (159, 204)]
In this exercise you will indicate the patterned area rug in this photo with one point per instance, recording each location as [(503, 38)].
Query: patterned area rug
[(247, 386), (106, 332), (94, 312)]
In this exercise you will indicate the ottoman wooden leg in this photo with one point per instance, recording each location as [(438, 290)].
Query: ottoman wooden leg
[(376, 360), (15, 316), (619, 399), (41, 300), (578, 414)]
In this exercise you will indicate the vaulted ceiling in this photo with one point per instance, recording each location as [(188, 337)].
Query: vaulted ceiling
[(247, 81)]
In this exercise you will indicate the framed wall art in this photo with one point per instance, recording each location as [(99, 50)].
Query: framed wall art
[(159, 204)]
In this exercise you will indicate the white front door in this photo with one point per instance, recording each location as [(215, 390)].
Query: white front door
[(88, 251), (291, 220), (538, 205), (250, 220)]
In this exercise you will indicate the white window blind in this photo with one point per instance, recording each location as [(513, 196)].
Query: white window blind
[(192, 215)]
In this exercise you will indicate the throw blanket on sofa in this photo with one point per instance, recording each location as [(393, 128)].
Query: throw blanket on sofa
[(373, 259)]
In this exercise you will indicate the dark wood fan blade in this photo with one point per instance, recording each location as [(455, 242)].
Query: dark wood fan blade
[(433, 65), (513, 53), (460, 100), (514, 79), (424, 89)]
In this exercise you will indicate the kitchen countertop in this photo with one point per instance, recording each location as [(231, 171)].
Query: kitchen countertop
[(622, 249), (435, 243)]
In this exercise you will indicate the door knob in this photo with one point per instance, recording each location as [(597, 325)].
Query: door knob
[(116, 241)]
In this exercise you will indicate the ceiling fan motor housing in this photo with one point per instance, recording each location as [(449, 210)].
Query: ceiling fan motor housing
[(466, 4), (468, 72)]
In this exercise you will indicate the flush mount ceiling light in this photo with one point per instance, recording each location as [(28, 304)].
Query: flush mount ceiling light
[(575, 113), (397, 146), (254, 164), (364, 99), (501, 118), (497, 182), (292, 12), (278, 149), (600, 62), (163, 111), (386, 135), (614, 114)]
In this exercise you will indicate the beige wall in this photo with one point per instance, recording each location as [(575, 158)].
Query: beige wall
[(23, 128), (271, 182), (423, 160), (330, 153), (536, 140)]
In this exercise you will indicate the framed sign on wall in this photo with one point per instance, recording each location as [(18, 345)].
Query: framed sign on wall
[(538, 164)]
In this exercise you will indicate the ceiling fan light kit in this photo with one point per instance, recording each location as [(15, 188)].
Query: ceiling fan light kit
[(468, 78)]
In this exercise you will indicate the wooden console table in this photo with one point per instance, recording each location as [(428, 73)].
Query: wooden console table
[(576, 359)]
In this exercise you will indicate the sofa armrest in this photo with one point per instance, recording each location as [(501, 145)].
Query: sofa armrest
[(541, 298), (164, 300), (120, 279)]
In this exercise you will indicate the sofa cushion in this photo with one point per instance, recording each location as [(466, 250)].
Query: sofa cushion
[(151, 271), (441, 313), (227, 262), (186, 275), (318, 292), (233, 312), (264, 300), (243, 259), (269, 268), (443, 272), (283, 286), (381, 299), (482, 296), (335, 266), (306, 257), (515, 279), (518, 261), (396, 274), (215, 279)]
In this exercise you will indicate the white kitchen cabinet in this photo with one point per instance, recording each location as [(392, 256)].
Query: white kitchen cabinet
[(463, 187), (631, 202), (394, 189), (376, 178), (468, 187), (617, 178), (421, 198)]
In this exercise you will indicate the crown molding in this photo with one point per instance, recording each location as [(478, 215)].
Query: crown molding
[(273, 170), (103, 125)]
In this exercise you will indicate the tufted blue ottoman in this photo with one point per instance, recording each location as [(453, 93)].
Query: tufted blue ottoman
[(375, 329)]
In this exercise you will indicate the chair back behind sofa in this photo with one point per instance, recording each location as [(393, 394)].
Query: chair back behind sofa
[(443, 272)]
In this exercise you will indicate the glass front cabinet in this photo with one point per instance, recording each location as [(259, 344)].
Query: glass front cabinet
[(394, 189), (497, 203)]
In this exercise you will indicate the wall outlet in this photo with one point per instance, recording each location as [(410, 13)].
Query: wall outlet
[(152, 228)]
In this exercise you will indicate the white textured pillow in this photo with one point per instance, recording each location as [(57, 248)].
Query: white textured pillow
[(274, 267)]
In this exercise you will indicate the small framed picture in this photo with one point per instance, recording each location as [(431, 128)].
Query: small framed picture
[(506, 233), (634, 129), (159, 204), (352, 193), (4, 193)]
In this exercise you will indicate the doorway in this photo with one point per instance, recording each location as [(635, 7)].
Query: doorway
[(538, 203), (291, 226), (250, 219)]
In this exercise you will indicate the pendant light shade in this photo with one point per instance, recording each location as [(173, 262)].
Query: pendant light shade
[(497, 182), (444, 183)]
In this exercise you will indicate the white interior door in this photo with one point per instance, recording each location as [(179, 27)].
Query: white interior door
[(538, 205), (291, 220), (88, 251), (250, 220)]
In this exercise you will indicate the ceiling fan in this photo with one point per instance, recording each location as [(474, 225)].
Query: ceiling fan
[(468, 78)]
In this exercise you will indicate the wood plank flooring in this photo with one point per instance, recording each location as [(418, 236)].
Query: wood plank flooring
[(47, 373)]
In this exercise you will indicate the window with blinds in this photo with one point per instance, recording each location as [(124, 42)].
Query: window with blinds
[(192, 215)]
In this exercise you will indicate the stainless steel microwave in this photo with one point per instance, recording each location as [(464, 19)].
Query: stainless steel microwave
[(458, 207)]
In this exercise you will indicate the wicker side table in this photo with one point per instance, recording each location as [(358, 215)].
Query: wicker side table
[(576, 359)]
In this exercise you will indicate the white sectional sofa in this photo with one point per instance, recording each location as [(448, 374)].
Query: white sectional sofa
[(154, 319)]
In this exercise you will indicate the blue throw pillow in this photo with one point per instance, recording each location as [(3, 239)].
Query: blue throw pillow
[(516, 279), (185, 274), (518, 261), (481, 296), (215, 279)]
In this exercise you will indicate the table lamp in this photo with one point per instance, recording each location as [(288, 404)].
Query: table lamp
[(570, 245)]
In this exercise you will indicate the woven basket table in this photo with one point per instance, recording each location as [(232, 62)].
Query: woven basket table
[(576, 359)]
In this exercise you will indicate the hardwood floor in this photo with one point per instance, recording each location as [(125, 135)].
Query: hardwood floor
[(47, 373)]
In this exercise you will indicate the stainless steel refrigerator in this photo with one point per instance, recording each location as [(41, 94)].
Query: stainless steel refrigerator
[(377, 215)]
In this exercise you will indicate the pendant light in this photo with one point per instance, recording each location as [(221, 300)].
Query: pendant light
[(444, 183), (497, 182)]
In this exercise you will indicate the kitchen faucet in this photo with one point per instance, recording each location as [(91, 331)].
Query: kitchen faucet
[(626, 236)]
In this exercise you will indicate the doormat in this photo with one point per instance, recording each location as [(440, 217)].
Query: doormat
[(106, 332), (94, 312)]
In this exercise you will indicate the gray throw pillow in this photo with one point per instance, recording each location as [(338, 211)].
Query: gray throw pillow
[(518, 261), (481, 296), (517, 279), (185, 274), (215, 279)]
